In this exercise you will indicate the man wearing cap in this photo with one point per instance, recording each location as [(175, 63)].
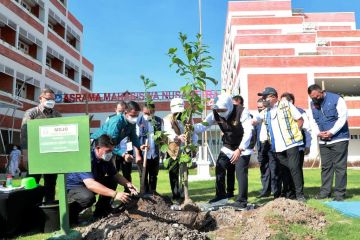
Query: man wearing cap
[(305, 131), (44, 110), (329, 112), (235, 123), (175, 130), (269, 163), (281, 126)]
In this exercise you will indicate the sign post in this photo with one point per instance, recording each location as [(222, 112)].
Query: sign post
[(59, 146)]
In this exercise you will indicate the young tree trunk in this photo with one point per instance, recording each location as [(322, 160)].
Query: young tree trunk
[(143, 171), (184, 170)]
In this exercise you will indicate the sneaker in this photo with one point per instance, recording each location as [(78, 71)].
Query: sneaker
[(217, 198)]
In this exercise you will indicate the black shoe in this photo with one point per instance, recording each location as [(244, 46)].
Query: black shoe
[(338, 199), (321, 196), (263, 195), (229, 195), (217, 198), (301, 199), (239, 205)]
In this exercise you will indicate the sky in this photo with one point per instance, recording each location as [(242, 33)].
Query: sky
[(126, 38)]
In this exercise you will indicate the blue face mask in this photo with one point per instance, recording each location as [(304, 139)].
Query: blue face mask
[(107, 156)]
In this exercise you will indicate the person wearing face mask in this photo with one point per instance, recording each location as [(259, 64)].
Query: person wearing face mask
[(119, 161), (147, 125), (175, 131), (103, 180), (235, 123), (305, 131), (269, 163), (119, 127), (281, 127), (329, 114), (44, 110)]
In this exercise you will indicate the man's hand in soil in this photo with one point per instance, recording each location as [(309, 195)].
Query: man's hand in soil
[(236, 156), (123, 197), (132, 188), (128, 157)]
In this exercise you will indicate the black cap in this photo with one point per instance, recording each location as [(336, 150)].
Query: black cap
[(268, 91)]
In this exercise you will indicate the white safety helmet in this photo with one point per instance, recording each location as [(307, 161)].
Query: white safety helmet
[(177, 105)]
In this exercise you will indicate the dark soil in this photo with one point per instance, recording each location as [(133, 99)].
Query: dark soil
[(153, 219)]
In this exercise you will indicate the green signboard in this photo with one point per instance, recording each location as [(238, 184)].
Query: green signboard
[(59, 145)]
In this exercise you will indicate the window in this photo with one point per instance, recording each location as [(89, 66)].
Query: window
[(48, 61), (50, 25), (66, 72), (25, 5), (20, 90), (23, 47)]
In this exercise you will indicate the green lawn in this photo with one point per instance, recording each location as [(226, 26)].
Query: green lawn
[(340, 227)]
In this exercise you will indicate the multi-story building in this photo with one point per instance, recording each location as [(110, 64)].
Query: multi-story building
[(40, 46), (267, 43)]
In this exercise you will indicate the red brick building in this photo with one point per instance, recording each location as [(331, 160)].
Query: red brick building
[(267, 43), (40, 46)]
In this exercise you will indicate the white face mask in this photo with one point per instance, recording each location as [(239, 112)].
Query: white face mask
[(147, 117), (107, 156), (132, 120), (49, 104)]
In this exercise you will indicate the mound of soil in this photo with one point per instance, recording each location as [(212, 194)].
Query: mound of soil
[(153, 219), (267, 221)]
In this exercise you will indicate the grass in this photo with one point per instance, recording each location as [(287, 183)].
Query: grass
[(339, 227)]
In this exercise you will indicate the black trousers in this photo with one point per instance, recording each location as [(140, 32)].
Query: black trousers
[(176, 189), (269, 170), (224, 169), (49, 185), (241, 168), (152, 171), (223, 165), (81, 198), (291, 172), (334, 160)]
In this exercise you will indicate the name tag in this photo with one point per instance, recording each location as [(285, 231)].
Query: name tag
[(129, 146)]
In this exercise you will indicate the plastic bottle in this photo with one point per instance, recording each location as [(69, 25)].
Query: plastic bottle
[(9, 181)]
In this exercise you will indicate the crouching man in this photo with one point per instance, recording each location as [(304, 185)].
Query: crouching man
[(103, 180)]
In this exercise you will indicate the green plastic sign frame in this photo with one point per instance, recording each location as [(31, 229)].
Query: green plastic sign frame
[(54, 159)]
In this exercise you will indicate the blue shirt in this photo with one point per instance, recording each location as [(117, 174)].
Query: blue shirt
[(117, 127), (99, 170)]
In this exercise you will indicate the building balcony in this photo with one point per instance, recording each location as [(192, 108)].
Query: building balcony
[(8, 33), (35, 8), (56, 24)]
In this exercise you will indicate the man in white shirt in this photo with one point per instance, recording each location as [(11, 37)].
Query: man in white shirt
[(175, 131), (329, 112), (282, 123), (147, 125), (235, 123)]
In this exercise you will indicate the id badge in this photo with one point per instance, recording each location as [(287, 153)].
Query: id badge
[(129, 146)]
